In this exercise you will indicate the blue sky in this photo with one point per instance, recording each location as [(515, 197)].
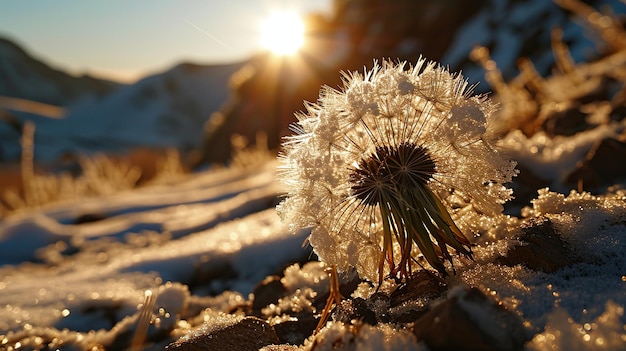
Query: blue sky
[(128, 39)]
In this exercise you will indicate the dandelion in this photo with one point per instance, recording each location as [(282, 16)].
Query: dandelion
[(379, 169)]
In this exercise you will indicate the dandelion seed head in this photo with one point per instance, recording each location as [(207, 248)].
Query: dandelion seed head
[(380, 168)]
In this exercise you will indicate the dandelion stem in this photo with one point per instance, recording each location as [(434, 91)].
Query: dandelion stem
[(334, 297)]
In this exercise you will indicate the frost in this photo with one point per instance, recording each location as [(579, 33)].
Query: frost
[(591, 223), (95, 296), (300, 300), (594, 227), (467, 120), (562, 333)]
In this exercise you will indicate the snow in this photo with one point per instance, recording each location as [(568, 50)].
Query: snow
[(216, 234), (219, 226), (563, 333), (554, 158), (579, 307), (584, 291), (185, 256)]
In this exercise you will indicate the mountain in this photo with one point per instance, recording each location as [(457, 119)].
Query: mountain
[(165, 110), (24, 77)]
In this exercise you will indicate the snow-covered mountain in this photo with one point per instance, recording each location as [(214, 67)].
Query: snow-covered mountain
[(25, 77), (165, 110)]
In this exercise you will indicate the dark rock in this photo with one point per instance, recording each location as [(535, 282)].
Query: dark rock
[(618, 113), (450, 326), (541, 248), (602, 167), (524, 187), (380, 303), (295, 331), (228, 333), (355, 309), (566, 122), (267, 292), (207, 273), (422, 286)]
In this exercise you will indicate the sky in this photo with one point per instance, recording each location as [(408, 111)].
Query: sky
[(126, 40)]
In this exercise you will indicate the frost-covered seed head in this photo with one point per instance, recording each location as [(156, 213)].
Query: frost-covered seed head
[(380, 170)]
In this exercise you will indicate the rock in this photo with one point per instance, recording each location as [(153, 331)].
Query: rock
[(540, 249), (601, 168), (90, 218), (423, 286), (406, 304), (525, 187), (568, 121), (295, 331), (228, 332), (469, 320), (618, 113), (206, 274), (267, 292), (356, 309)]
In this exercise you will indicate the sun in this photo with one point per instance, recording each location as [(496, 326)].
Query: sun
[(282, 33)]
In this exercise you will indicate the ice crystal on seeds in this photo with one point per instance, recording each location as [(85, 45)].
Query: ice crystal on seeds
[(376, 168)]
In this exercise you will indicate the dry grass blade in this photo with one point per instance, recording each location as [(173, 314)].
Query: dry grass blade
[(144, 321)]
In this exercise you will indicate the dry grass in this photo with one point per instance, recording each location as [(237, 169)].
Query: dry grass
[(26, 187), (529, 100), (249, 156)]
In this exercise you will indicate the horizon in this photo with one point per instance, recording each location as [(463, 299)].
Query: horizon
[(126, 42)]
